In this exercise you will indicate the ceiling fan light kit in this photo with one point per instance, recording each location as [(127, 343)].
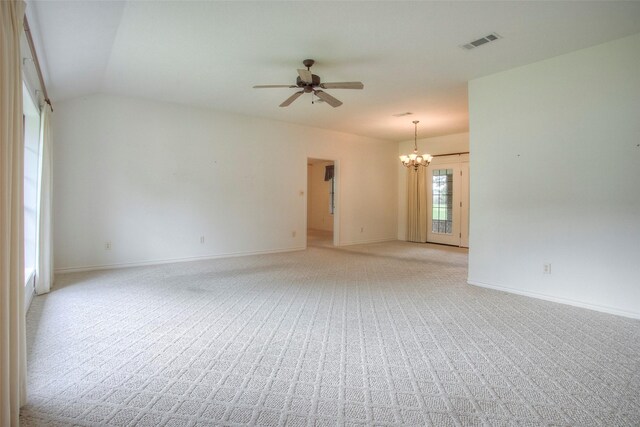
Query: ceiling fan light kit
[(311, 83), (414, 159)]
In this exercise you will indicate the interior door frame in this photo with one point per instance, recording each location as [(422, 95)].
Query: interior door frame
[(336, 199)]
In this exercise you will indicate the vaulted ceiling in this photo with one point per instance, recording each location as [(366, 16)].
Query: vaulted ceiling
[(407, 54)]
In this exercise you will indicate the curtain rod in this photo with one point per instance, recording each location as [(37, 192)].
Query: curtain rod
[(450, 154), (32, 47)]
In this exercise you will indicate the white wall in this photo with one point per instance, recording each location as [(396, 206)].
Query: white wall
[(318, 215), (555, 178), (455, 143), (152, 178)]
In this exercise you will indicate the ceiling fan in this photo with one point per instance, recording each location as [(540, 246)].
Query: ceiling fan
[(310, 83)]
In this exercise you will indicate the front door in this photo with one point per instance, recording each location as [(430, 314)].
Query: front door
[(447, 204)]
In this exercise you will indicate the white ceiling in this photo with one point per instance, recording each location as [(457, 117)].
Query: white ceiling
[(407, 54)]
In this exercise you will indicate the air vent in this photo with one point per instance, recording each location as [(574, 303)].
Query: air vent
[(483, 40), (402, 114)]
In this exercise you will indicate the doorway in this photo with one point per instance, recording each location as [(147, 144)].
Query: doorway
[(448, 201), (321, 202)]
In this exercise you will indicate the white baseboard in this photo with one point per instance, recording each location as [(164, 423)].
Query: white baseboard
[(366, 242), (567, 301), (172, 260)]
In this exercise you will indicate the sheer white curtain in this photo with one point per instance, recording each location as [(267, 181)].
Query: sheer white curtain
[(44, 258), (417, 209), (12, 322)]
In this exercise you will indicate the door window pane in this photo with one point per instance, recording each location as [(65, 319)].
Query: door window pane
[(442, 214)]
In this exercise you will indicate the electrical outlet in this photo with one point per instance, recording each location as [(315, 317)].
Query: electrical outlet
[(362, 229), (107, 246), (546, 268), (293, 234), (202, 239)]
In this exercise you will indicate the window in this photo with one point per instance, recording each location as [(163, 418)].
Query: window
[(329, 175), (31, 120)]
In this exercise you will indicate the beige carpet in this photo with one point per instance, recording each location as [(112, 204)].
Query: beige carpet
[(385, 334), (319, 238)]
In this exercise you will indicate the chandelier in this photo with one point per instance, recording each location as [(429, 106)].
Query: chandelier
[(414, 159)]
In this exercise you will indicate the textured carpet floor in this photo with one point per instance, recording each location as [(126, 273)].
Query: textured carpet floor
[(383, 334)]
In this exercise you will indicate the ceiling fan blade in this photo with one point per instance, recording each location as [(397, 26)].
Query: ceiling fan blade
[(305, 76), (292, 98), (342, 85), (270, 86), (327, 98)]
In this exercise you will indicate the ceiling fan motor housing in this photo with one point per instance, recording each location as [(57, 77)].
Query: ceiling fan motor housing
[(315, 81)]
